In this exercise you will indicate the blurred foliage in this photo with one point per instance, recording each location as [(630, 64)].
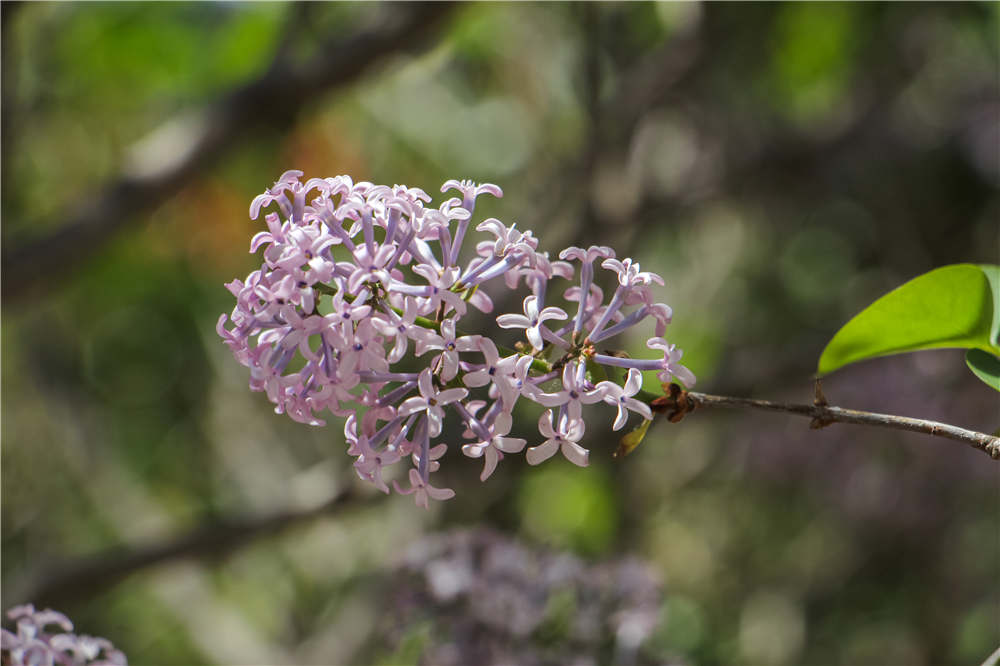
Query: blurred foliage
[(782, 165)]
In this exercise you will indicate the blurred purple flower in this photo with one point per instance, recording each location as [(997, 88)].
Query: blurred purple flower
[(36, 644)]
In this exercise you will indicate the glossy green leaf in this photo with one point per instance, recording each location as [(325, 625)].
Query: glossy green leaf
[(985, 366), (992, 273), (952, 306)]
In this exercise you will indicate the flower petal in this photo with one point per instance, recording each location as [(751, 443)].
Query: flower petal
[(510, 444), (575, 453), (541, 453)]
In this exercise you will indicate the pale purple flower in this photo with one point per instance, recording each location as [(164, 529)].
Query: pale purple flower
[(575, 392), (532, 320), (370, 268), (621, 397), (629, 274), (630, 280), (439, 222), (296, 331), (450, 345), (490, 372), (352, 272), (365, 350), (282, 290), (661, 312), (563, 437), (438, 292), (402, 329), (586, 258), (306, 245), (370, 462), (520, 383), (470, 191), (287, 183), (38, 644), (671, 368), (423, 490), (666, 367), (275, 233), (540, 273), (431, 401), (508, 239), (587, 307), (496, 445)]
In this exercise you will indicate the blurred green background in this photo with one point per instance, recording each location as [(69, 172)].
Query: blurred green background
[(782, 165)]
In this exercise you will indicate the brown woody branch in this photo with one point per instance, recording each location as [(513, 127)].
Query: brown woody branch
[(677, 403)]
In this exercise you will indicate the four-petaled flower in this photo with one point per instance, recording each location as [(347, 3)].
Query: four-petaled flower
[(621, 396), (629, 274), (449, 344), (563, 438), (431, 401), (423, 490), (532, 320), (575, 391), (670, 366), (495, 445)]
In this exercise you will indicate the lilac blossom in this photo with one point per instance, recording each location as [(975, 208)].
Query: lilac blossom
[(586, 259), (357, 309), (450, 344), (564, 437), (494, 444), (621, 397), (532, 321), (493, 372), (37, 643), (575, 392), (431, 401), (666, 367), (423, 490)]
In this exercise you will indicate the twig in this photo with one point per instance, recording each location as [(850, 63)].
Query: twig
[(57, 584), (679, 402), (192, 142), (993, 659)]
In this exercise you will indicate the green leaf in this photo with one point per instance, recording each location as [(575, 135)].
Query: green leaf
[(952, 306), (629, 442), (992, 273), (985, 366)]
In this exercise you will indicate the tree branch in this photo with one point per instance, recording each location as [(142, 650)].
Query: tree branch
[(58, 584), (679, 402), (192, 142)]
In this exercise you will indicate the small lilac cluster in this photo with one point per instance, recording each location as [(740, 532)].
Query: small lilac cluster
[(354, 275), (34, 645)]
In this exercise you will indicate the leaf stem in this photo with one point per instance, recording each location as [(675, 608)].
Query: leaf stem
[(678, 402)]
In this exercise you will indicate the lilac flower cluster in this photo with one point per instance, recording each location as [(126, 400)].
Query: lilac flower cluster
[(35, 645), (357, 277)]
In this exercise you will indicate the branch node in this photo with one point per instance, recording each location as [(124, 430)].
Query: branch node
[(819, 423), (676, 404), (818, 398)]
